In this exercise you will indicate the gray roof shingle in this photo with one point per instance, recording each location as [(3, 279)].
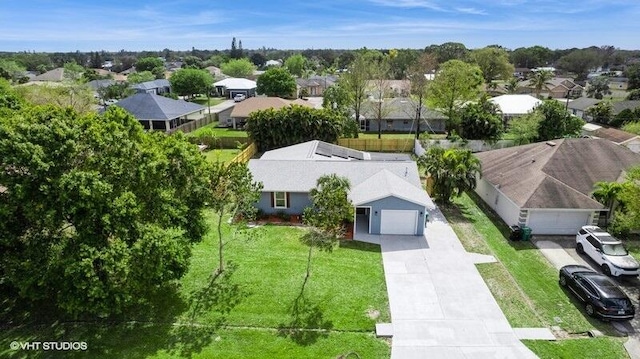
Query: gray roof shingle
[(558, 174), (147, 106)]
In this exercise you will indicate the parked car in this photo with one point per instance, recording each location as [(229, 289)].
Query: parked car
[(239, 97), (601, 296), (607, 251)]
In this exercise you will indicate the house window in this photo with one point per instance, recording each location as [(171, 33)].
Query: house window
[(389, 124), (405, 122), (279, 200)]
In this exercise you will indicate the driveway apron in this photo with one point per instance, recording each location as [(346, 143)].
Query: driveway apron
[(440, 305)]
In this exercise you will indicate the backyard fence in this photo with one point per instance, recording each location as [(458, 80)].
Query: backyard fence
[(246, 154), (195, 124), (378, 145)]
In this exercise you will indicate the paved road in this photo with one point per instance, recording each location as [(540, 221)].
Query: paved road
[(440, 305)]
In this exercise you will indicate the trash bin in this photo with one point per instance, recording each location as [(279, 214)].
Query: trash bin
[(516, 233), (526, 233)]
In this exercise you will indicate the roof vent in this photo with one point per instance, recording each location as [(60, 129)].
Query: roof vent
[(551, 143)]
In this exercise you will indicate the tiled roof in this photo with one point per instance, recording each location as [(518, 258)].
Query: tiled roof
[(557, 174)]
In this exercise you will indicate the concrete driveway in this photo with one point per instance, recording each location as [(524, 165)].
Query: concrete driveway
[(440, 305), (561, 251)]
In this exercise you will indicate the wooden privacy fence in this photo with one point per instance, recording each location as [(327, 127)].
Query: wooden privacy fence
[(378, 145), (246, 154), (195, 124)]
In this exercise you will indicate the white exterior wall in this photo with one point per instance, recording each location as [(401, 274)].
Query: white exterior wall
[(504, 207)]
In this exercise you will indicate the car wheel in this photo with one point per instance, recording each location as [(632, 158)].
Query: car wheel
[(590, 310), (563, 281), (579, 248), (606, 270)]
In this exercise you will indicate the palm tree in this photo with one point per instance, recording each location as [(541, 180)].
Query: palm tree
[(453, 171), (539, 80), (607, 194), (512, 85)]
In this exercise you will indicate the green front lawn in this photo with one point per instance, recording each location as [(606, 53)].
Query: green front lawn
[(524, 283), (246, 313), (202, 100)]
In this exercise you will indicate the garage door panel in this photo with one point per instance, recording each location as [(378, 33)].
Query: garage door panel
[(557, 222), (398, 222)]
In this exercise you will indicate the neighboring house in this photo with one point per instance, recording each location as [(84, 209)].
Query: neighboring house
[(243, 109), (564, 88), (399, 116), (617, 136), (618, 83), (128, 71), (233, 86), (392, 88), (161, 113), (385, 191), (95, 85), (55, 75), (521, 72), (619, 106), (157, 87), (511, 106), (579, 107), (276, 63), (214, 71), (314, 85), (547, 186)]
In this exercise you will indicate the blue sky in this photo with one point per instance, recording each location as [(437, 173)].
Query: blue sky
[(86, 25)]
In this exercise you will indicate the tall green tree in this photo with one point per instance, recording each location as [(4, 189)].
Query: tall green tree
[(233, 194), (238, 68), (455, 83), (336, 98), (140, 77), (277, 81), (190, 82), (449, 51), (148, 64), (453, 171), (355, 80), (378, 107), (419, 74), (539, 79), (494, 63), (598, 87), (330, 205), (580, 62), (628, 217), (73, 72), (480, 121), (531, 57), (296, 64), (557, 122), (11, 70), (98, 215), (632, 73), (524, 129), (607, 194), (601, 112)]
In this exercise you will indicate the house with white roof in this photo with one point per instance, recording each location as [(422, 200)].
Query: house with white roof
[(232, 86), (386, 191), (511, 106)]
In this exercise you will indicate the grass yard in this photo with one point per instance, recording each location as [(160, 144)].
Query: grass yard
[(202, 100), (525, 284), (218, 131), (249, 311), (223, 155)]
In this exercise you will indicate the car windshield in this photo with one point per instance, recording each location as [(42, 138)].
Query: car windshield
[(618, 302), (614, 249)]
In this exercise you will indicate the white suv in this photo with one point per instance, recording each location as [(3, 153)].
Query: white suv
[(607, 251)]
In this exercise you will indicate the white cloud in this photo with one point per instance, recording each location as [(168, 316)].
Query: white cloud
[(409, 4), (471, 10)]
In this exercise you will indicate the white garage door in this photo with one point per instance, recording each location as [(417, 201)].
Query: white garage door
[(398, 221), (557, 222)]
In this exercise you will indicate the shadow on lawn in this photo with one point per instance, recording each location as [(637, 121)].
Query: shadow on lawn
[(141, 332), (307, 323)]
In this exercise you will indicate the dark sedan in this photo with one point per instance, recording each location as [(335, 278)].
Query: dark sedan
[(601, 296)]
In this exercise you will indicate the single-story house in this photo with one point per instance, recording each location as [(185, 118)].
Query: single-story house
[(233, 86), (387, 194), (619, 106), (547, 186), (392, 88), (399, 116), (243, 109), (511, 106), (157, 112), (314, 85), (617, 136), (55, 75), (157, 87), (214, 71), (579, 107)]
